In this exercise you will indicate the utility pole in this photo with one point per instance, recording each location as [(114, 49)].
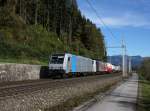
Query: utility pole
[(124, 65), (130, 65), (124, 58)]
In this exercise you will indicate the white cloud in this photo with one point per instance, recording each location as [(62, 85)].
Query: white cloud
[(129, 19)]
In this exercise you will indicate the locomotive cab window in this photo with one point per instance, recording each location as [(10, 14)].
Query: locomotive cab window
[(60, 60), (69, 59), (57, 59), (54, 60)]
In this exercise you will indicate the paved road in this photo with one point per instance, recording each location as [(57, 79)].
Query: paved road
[(123, 98)]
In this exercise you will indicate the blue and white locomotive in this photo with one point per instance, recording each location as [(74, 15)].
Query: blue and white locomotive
[(70, 64)]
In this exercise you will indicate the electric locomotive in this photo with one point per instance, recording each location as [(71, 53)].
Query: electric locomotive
[(72, 65)]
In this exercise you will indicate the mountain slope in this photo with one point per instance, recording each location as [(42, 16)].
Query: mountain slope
[(33, 29)]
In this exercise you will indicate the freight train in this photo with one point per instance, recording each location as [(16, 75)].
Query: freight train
[(72, 65)]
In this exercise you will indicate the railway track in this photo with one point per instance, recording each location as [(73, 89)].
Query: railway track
[(8, 90)]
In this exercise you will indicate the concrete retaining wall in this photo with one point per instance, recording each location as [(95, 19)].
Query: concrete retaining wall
[(19, 72)]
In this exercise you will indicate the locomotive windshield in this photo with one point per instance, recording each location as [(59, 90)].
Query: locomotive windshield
[(57, 59)]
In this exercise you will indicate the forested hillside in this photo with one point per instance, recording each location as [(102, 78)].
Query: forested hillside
[(33, 29), (144, 70)]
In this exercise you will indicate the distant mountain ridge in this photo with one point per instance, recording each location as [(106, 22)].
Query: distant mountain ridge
[(146, 58), (136, 61)]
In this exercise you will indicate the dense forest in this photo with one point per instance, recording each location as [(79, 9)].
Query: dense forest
[(33, 29)]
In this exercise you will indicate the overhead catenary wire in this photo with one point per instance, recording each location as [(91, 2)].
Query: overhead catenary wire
[(112, 34), (99, 17)]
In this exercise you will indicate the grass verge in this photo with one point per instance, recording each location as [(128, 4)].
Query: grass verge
[(144, 96)]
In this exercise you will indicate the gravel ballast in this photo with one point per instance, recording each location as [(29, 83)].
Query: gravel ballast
[(50, 97)]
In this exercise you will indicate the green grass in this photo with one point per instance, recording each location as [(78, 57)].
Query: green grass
[(33, 44), (144, 96), (23, 61)]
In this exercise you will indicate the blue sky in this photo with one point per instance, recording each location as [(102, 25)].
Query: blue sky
[(129, 19)]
